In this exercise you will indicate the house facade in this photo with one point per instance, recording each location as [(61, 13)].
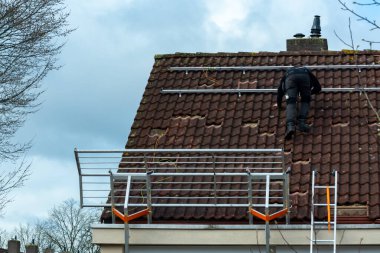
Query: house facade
[(227, 101)]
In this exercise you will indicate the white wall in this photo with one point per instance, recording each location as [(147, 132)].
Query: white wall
[(245, 249)]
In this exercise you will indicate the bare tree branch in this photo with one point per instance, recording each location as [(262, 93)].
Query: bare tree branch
[(68, 228), (360, 17), (351, 44), (360, 82), (374, 2), (4, 237), (341, 40), (27, 233), (351, 35), (32, 34), (11, 181), (371, 42)]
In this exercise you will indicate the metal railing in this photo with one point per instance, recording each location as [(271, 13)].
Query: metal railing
[(138, 178)]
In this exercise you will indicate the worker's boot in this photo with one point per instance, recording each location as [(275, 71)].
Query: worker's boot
[(302, 126), (291, 114), (304, 110), (290, 130)]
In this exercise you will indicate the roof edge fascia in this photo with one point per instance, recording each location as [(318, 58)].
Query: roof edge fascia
[(228, 227)]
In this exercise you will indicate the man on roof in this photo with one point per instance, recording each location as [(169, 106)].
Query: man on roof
[(297, 81)]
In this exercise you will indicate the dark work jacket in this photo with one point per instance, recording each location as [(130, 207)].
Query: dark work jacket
[(315, 86)]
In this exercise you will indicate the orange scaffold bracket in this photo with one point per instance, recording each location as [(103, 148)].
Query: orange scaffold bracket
[(127, 218), (268, 217)]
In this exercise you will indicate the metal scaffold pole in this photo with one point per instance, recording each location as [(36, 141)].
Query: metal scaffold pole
[(267, 229), (126, 224)]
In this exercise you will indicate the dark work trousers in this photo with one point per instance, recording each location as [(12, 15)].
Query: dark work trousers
[(297, 83)]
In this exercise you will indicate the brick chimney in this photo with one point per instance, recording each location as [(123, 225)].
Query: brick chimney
[(14, 246), (31, 248), (313, 43)]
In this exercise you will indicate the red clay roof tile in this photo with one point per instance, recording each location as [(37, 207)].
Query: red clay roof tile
[(344, 132)]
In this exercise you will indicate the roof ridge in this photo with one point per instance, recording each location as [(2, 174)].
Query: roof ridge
[(265, 53)]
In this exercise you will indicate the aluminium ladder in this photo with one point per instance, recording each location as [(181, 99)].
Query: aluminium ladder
[(322, 225)]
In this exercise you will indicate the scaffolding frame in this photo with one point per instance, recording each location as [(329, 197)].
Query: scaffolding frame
[(211, 168)]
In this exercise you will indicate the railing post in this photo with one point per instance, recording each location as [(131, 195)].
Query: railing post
[(213, 168), (286, 194), (249, 177), (112, 196), (149, 195), (148, 186), (80, 177)]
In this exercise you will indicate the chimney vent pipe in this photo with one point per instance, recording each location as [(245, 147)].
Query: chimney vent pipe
[(316, 28)]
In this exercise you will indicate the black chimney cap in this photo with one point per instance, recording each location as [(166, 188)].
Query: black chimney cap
[(299, 35), (316, 28)]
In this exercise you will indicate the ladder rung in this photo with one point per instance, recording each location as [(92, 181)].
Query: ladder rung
[(320, 204), (323, 240), (323, 187), (323, 222)]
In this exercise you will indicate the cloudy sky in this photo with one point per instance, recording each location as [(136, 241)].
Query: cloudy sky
[(91, 101)]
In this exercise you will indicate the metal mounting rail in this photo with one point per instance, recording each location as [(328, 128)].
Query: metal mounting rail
[(262, 90), (247, 68)]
